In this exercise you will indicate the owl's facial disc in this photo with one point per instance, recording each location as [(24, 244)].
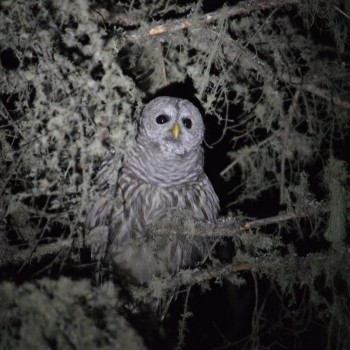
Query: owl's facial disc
[(172, 124)]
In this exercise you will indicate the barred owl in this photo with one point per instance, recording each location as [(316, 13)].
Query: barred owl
[(163, 172)]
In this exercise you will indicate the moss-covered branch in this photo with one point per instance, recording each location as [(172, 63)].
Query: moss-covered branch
[(226, 227), (197, 22), (299, 267)]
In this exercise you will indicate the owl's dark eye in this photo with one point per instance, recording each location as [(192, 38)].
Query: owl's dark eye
[(188, 123), (162, 119)]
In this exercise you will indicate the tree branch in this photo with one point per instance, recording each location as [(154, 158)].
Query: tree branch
[(311, 264), (226, 228), (197, 22), (233, 50)]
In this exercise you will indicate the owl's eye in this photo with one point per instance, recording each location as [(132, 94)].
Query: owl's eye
[(162, 119), (188, 123)]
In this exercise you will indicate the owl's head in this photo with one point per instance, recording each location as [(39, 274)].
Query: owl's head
[(174, 124)]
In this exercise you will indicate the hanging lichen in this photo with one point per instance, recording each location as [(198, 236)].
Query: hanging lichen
[(336, 179)]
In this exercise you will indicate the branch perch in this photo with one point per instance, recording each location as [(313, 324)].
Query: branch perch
[(296, 264), (228, 228)]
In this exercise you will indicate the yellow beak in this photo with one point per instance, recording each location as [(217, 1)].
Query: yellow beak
[(176, 130)]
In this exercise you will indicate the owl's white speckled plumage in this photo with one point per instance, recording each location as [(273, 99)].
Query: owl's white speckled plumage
[(161, 173)]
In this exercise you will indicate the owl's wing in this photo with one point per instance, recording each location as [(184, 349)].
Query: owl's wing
[(105, 202), (202, 199)]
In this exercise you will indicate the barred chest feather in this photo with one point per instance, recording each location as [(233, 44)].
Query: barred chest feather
[(144, 204)]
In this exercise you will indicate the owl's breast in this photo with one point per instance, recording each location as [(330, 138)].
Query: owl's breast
[(159, 201), (145, 203)]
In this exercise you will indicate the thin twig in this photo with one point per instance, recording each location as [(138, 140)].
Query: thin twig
[(315, 90), (292, 112), (183, 322), (342, 12), (246, 152)]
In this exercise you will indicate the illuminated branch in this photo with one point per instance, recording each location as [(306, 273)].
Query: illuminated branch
[(293, 264), (196, 22), (228, 228), (232, 50)]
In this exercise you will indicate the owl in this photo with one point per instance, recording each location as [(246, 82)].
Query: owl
[(162, 173)]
